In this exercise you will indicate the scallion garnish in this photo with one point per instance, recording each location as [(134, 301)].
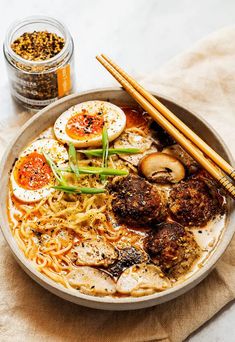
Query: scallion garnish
[(105, 149), (99, 151), (73, 163), (75, 190), (56, 171), (74, 168), (93, 170), (63, 186)]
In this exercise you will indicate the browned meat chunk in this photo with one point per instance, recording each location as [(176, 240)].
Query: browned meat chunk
[(195, 202), (172, 248), (136, 202), (127, 257)]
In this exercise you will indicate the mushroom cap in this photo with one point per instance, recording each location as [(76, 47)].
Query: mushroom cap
[(141, 280), (162, 168)]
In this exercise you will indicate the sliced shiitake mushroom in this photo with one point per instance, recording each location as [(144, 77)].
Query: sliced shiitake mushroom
[(142, 280), (94, 253), (89, 280), (128, 256), (162, 168)]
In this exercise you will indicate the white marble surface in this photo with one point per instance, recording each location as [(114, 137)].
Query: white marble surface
[(141, 35)]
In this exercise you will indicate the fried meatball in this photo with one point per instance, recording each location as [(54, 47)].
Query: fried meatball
[(136, 202), (195, 202), (172, 248)]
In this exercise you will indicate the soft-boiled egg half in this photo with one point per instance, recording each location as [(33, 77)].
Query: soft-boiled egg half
[(32, 177), (82, 124)]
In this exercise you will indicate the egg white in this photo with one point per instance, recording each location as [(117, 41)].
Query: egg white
[(56, 151), (114, 118)]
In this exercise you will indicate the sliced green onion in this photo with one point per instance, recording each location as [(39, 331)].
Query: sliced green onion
[(99, 152), (63, 186), (56, 171), (105, 146), (106, 171), (73, 163), (105, 150), (98, 171), (76, 190)]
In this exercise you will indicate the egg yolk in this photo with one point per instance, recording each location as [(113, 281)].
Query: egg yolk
[(32, 171), (81, 125)]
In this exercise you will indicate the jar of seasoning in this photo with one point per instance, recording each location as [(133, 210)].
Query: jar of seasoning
[(39, 55)]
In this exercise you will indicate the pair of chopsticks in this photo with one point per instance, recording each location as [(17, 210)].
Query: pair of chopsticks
[(210, 160)]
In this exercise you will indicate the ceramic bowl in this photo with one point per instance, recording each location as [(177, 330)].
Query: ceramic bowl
[(47, 117)]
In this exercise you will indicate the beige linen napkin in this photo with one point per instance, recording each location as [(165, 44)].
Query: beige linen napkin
[(204, 80)]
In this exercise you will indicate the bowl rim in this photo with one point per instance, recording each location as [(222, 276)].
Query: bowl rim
[(72, 294)]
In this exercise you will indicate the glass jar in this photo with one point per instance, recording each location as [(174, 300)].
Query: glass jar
[(35, 84)]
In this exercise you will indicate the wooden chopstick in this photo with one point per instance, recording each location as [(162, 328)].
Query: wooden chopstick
[(193, 150), (202, 145)]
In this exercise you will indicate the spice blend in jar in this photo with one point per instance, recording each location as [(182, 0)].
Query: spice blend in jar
[(39, 54), (38, 45)]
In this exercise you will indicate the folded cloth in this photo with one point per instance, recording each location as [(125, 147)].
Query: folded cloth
[(203, 80)]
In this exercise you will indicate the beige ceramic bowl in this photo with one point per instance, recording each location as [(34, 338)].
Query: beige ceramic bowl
[(47, 117)]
